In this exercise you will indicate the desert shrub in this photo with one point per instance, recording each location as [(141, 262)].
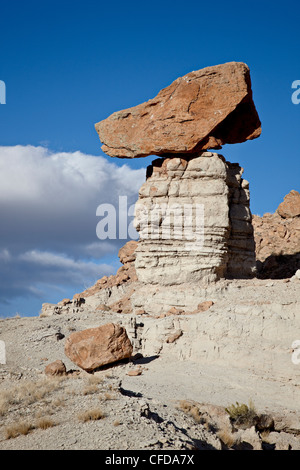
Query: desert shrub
[(242, 414)]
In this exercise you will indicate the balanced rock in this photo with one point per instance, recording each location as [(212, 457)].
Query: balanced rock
[(201, 110), (96, 347)]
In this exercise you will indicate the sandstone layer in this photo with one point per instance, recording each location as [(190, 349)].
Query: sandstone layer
[(194, 222), (204, 109)]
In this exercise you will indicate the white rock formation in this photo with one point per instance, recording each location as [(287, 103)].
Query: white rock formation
[(194, 222)]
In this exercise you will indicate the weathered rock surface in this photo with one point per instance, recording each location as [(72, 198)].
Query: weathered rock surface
[(277, 239), (55, 368), (96, 347), (290, 207), (194, 222), (238, 349), (125, 273), (204, 109)]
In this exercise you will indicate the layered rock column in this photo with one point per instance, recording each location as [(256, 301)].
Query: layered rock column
[(194, 222), (193, 214)]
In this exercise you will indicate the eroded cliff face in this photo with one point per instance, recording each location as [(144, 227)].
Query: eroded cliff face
[(194, 222), (277, 238)]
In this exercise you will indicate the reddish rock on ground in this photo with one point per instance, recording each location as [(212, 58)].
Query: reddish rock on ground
[(201, 110), (55, 368), (96, 347)]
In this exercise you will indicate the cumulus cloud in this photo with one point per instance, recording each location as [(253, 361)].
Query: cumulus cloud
[(48, 204)]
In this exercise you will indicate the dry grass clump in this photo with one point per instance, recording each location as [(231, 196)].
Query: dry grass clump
[(27, 393), (227, 437), (4, 402), (192, 410), (44, 423), (17, 429), (24, 427), (95, 379), (92, 383), (107, 396), (91, 415), (90, 389)]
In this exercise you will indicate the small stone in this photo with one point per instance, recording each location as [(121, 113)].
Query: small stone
[(135, 372), (204, 306)]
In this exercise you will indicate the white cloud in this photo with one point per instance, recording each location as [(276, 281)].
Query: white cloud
[(4, 255), (48, 204)]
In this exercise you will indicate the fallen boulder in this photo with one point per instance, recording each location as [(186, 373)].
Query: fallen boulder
[(96, 347)]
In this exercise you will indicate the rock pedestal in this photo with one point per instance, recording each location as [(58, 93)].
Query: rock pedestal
[(194, 222)]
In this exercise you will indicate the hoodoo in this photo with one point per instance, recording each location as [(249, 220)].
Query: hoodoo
[(193, 213)]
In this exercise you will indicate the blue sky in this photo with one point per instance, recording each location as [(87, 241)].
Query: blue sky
[(69, 64)]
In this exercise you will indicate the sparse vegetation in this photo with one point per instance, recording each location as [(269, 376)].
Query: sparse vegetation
[(242, 414), (91, 415), (24, 427), (191, 409), (44, 423), (107, 396), (90, 389), (17, 429), (27, 393), (227, 438)]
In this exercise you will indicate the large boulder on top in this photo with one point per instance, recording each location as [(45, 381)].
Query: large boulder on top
[(201, 110)]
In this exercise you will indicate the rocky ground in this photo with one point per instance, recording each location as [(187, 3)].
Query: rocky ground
[(177, 395), (212, 367)]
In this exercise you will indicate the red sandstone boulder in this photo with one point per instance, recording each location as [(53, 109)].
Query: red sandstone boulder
[(201, 110), (290, 207), (96, 347)]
